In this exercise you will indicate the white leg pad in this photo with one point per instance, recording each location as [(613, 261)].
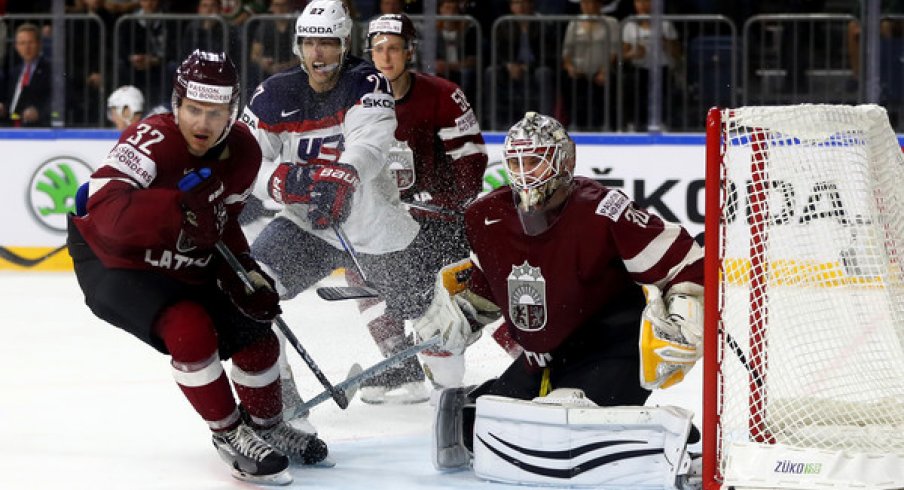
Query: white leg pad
[(525, 442)]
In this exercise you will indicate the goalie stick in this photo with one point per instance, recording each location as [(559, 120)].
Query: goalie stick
[(194, 178), (350, 384)]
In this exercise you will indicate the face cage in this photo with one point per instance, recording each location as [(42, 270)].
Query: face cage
[(534, 183)]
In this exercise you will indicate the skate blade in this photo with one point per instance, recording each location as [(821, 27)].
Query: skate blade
[(326, 463), (395, 399), (282, 478)]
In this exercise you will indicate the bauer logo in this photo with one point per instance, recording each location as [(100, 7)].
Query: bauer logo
[(51, 191), (788, 466)]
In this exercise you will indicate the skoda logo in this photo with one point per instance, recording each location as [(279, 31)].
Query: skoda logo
[(51, 190)]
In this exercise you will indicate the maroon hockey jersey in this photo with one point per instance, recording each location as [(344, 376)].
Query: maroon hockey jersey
[(134, 218), (578, 282), (441, 129)]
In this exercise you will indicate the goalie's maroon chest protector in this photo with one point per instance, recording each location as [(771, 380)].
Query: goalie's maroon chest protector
[(578, 281)]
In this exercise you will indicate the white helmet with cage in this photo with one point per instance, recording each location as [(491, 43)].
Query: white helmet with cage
[(539, 160), (323, 18)]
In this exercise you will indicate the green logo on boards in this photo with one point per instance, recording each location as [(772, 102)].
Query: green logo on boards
[(494, 177), (51, 192)]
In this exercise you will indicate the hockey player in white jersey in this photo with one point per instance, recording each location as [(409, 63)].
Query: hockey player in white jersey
[(324, 128)]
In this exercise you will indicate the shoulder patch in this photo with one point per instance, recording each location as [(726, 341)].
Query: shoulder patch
[(613, 205)]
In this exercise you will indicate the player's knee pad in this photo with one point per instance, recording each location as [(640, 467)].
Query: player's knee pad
[(187, 331), (575, 443), (258, 355)]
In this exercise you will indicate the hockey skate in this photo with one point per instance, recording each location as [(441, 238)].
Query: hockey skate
[(401, 385), (251, 458), (301, 447)]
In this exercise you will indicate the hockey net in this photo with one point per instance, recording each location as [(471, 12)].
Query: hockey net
[(805, 288)]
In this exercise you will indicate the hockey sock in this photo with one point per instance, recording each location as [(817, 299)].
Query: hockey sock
[(255, 374), (188, 333)]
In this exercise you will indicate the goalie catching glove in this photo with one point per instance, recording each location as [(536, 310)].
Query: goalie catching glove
[(671, 335), (326, 188), (456, 314)]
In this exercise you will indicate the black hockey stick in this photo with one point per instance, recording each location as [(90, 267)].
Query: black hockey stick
[(350, 384), (191, 180), (337, 394), (10, 256), (431, 208), (337, 293)]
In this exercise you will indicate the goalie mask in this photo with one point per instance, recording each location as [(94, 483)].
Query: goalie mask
[(539, 161), (325, 19), (207, 77)]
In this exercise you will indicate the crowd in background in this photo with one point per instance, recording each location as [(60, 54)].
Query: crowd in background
[(568, 70)]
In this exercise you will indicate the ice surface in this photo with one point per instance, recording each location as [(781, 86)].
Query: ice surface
[(85, 406)]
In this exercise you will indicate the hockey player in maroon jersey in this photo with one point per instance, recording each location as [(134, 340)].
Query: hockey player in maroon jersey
[(564, 259), (438, 160), (144, 257)]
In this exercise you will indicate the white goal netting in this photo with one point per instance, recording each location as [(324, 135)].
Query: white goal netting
[(811, 288)]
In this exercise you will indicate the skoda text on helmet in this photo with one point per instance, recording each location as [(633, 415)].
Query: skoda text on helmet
[(539, 160), (323, 18), (207, 77), (396, 24)]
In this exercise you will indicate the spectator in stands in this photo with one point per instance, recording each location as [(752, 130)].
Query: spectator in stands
[(619, 8), (588, 51), (271, 49), (125, 106), (88, 63), (25, 100), (207, 34), (456, 48), (638, 63), (888, 29), (145, 48), (522, 81), (237, 12)]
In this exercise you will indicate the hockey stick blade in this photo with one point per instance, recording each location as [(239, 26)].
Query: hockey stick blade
[(340, 293), (350, 385), (21, 261)]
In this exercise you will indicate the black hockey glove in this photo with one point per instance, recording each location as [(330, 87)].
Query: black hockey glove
[(327, 188), (263, 303), (203, 213)]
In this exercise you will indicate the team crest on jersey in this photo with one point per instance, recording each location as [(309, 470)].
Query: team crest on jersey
[(401, 163), (527, 297)]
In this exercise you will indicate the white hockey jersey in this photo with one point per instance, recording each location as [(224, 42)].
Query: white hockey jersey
[(353, 123)]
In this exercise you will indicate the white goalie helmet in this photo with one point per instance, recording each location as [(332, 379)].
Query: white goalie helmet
[(539, 159), (323, 18)]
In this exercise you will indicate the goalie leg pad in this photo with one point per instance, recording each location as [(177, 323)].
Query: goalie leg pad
[(449, 451), (524, 442)]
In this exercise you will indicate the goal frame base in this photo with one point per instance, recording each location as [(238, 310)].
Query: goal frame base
[(751, 465)]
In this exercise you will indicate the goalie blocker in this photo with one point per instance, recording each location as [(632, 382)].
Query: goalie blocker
[(565, 439)]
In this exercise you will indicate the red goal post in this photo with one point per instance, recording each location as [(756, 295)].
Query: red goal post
[(804, 346)]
